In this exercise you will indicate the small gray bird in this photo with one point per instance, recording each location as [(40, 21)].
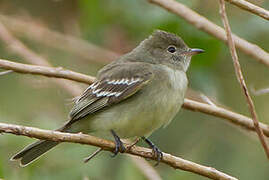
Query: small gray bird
[(131, 97)]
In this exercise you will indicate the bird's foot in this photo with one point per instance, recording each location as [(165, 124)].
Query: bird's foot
[(118, 143), (156, 152)]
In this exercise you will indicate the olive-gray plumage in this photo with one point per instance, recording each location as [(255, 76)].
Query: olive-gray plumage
[(133, 96)]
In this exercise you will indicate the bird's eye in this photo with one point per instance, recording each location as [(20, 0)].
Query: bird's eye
[(171, 49)]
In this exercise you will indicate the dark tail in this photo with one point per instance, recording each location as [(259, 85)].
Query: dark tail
[(33, 151)]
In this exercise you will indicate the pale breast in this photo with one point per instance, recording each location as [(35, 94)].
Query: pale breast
[(173, 96), (153, 106)]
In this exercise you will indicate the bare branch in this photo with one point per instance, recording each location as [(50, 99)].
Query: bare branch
[(19, 48), (173, 161), (213, 172), (250, 8), (240, 77), (57, 40), (58, 72), (209, 27), (212, 110), (232, 117)]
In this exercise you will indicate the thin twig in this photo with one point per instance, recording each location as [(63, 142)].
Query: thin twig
[(207, 100), (240, 77), (250, 8), (216, 111), (209, 27), (87, 159), (173, 161), (259, 91), (5, 72), (131, 144)]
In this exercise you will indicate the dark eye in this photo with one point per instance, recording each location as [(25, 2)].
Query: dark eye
[(171, 49)]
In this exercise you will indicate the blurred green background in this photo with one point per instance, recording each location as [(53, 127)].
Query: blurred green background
[(119, 25)]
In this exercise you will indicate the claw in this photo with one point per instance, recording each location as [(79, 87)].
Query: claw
[(119, 147), (156, 152)]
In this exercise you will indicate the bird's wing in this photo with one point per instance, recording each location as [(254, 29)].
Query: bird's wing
[(113, 86)]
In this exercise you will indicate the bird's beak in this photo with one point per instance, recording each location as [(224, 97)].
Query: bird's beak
[(193, 51)]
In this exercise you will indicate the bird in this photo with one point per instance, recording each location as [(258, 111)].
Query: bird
[(131, 97)]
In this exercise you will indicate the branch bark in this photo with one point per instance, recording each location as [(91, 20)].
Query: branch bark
[(213, 110), (58, 72), (240, 77), (209, 27), (173, 161), (245, 5), (232, 117)]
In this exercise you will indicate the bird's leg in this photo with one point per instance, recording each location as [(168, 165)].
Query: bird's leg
[(119, 145), (155, 150)]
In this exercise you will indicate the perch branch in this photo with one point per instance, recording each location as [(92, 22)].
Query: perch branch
[(212, 110), (209, 27), (173, 161), (240, 77), (250, 8)]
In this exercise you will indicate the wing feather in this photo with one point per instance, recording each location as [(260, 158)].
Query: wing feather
[(112, 87)]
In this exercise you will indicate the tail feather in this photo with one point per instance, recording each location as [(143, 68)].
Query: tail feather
[(33, 151)]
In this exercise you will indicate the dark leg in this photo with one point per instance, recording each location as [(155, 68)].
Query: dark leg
[(119, 145), (155, 150)]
